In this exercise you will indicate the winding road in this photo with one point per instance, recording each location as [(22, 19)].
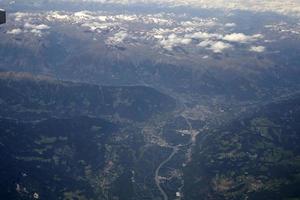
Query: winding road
[(190, 144), (157, 181)]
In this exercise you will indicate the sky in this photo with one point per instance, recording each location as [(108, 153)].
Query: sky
[(285, 7)]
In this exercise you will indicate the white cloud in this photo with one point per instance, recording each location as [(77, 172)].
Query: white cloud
[(37, 27), (257, 49), (206, 43), (174, 40), (31, 22), (185, 41), (15, 31), (219, 46), (93, 26), (55, 15), (203, 35), (200, 22), (19, 16), (82, 14), (215, 46), (163, 30), (229, 25), (241, 37), (126, 17), (37, 32)]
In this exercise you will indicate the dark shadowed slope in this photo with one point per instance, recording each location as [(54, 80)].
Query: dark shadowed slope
[(22, 94)]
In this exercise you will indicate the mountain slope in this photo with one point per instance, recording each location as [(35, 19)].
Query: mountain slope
[(25, 96), (253, 157), (62, 140)]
